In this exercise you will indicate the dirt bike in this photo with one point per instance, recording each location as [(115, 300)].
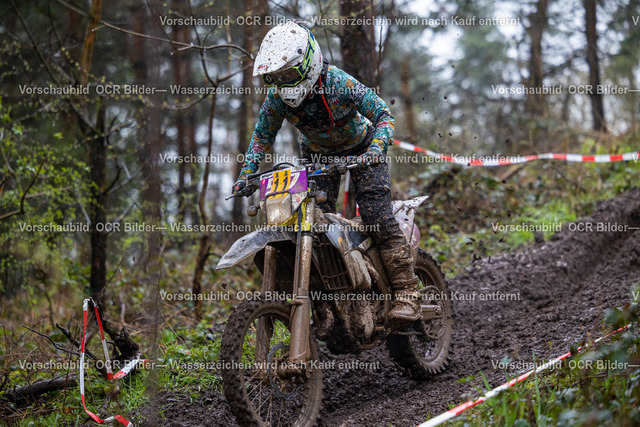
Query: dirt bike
[(323, 280)]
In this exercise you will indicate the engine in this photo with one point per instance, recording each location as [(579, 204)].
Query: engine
[(344, 315)]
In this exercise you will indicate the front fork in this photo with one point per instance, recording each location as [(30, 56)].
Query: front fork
[(264, 325), (299, 350)]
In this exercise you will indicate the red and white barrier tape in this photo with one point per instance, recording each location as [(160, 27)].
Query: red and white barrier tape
[(347, 191), (124, 371), (347, 182), (452, 413), (511, 160)]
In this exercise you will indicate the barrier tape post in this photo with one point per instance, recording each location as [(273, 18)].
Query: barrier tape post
[(452, 413), (511, 160), (124, 371)]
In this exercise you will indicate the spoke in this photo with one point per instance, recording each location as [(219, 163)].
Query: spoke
[(259, 393), (269, 408), (269, 399), (253, 376), (291, 421), (262, 403), (254, 387), (280, 415)]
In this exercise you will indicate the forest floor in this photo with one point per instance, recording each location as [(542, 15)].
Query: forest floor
[(564, 286)]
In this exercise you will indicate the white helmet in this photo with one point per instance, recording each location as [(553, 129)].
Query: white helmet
[(289, 59)]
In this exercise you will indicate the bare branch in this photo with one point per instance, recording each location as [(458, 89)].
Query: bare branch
[(131, 178), (81, 116), (125, 212), (117, 268), (161, 27), (184, 105), (6, 160), (115, 180), (73, 341), (24, 194), (174, 43), (55, 345)]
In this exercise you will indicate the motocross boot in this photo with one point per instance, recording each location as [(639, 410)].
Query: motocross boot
[(397, 257)]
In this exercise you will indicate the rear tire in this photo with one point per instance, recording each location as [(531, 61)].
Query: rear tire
[(429, 350), (258, 398)]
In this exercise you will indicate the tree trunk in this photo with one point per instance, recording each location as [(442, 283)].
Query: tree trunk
[(151, 194), (74, 38), (597, 106), (181, 72), (536, 101), (192, 188), (136, 53), (357, 42), (244, 115), (152, 191), (262, 11), (89, 39), (98, 209), (146, 63), (409, 118), (357, 45), (98, 167), (205, 239)]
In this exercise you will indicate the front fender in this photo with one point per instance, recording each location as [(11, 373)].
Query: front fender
[(252, 243)]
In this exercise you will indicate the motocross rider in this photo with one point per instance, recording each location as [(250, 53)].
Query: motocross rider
[(336, 116)]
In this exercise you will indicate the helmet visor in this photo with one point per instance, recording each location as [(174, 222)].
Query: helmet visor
[(289, 77), (294, 75)]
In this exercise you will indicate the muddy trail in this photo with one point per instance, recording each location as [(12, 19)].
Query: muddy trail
[(537, 301)]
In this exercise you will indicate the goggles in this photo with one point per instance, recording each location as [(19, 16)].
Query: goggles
[(294, 75)]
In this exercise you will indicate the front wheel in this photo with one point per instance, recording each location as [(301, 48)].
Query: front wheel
[(425, 348), (261, 386)]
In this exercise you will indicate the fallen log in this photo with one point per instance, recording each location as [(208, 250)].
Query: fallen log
[(40, 387)]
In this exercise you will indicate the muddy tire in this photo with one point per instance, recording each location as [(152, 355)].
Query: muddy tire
[(426, 348), (259, 396)]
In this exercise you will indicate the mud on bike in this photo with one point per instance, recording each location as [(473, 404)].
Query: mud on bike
[(323, 280)]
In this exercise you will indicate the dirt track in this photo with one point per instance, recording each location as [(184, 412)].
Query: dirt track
[(564, 286)]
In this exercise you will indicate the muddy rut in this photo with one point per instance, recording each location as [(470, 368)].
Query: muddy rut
[(538, 301)]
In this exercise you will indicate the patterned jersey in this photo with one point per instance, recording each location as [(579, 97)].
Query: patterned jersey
[(329, 124)]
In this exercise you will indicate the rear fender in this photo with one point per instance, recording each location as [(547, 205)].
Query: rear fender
[(404, 211)]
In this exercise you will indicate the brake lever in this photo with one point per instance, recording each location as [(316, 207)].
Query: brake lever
[(248, 190)]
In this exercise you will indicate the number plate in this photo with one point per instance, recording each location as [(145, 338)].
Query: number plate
[(283, 182)]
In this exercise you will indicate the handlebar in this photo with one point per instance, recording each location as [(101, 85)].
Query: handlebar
[(313, 170)]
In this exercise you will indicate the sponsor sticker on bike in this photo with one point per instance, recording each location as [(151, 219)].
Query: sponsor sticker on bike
[(282, 182)]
